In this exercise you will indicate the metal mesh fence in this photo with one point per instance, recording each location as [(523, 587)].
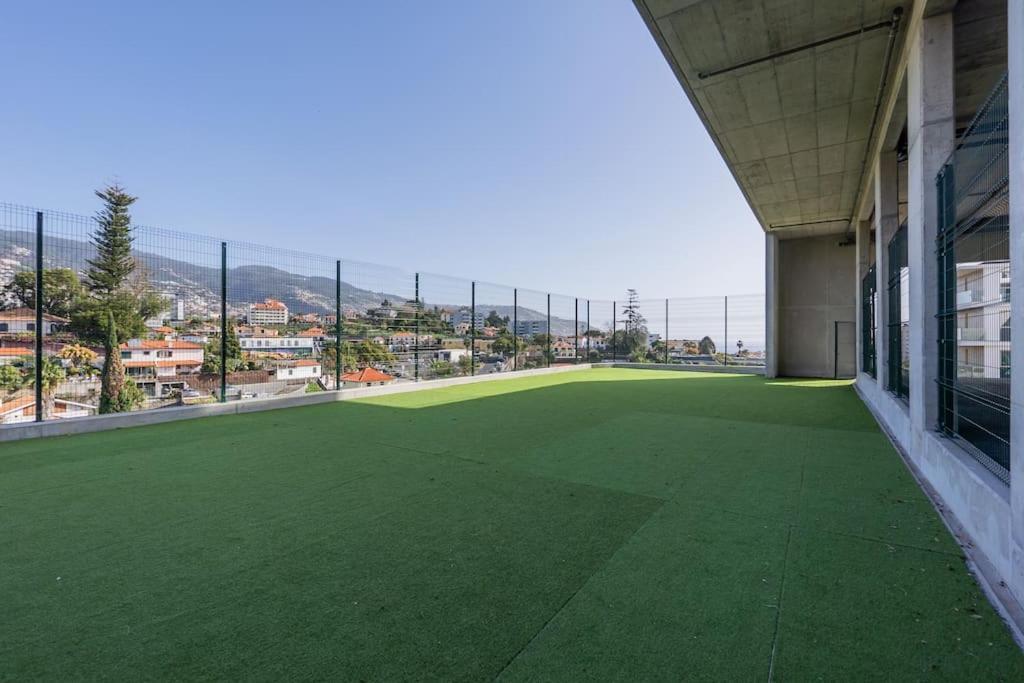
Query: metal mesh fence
[(564, 330), (898, 325), (697, 330), (274, 329), (379, 311), (974, 285), (18, 262), (444, 326), (869, 302), (493, 342), (140, 318)]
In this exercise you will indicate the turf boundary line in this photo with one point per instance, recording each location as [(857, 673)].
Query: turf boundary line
[(101, 423), (984, 573)]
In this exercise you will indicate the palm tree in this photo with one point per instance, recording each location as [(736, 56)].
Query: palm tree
[(53, 374)]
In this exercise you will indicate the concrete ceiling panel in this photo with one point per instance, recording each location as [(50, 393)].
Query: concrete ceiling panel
[(807, 188), (855, 152), (661, 8), (829, 204), (788, 18), (802, 132), (831, 183), (697, 30), (868, 72), (727, 102), (832, 124), (779, 168), (786, 191), (795, 81), (761, 94), (860, 120), (809, 209), (764, 194), (744, 144), (833, 75), (747, 37), (754, 174), (772, 138), (805, 163), (831, 159)]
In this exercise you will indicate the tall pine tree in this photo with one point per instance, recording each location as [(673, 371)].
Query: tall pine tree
[(113, 378), (113, 241)]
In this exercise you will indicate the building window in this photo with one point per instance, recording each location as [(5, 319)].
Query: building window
[(4, 327)]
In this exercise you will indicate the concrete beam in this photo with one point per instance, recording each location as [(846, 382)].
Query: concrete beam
[(931, 135), (771, 304), (887, 219), (863, 234), (1015, 21)]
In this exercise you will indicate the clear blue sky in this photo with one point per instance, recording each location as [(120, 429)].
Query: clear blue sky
[(533, 143)]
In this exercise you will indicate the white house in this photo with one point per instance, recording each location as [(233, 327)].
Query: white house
[(160, 357), (23, 409), (22, 320), (270, 312), (305, 369), (451, 355), (296, 345)]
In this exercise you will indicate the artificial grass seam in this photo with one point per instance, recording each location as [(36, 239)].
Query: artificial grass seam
[(583, 584), (778, 607), (818, 529)]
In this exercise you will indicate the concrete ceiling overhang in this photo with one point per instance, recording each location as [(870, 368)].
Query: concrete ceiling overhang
[(794, 120)]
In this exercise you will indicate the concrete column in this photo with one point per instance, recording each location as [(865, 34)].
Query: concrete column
[(887, 220), (1015, 21), (931, 133), (863, 234), (771, 305)]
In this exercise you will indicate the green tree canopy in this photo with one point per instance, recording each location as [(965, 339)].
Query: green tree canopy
[(61, 290)]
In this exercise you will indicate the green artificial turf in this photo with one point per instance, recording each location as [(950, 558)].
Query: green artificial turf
[(602, 524)]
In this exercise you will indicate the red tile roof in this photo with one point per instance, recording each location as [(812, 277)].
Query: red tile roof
[(366, 375), (149, 344), (161, 363), (269, 305), (29, 314)]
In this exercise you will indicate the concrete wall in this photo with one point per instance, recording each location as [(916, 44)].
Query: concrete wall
[(816, 288)]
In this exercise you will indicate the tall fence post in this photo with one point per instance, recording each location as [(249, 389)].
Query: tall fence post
[(337, 325), (666, 331), (39, 316), (223, 322), (614, 349), (416, 342), (515, 328), (472, 329), (576, 334), (588, 330), (725, 356), (548, 355)]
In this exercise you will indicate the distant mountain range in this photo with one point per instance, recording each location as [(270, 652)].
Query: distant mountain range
[(198, 286)]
